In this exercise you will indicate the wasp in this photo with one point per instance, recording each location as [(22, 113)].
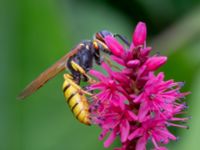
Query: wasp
[(78, 61)]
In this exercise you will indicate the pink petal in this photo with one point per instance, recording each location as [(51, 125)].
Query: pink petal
[(115, 47), (98, 85), (131, 116), (141, 144), (168, 134), (136, 133), (124, 129), (110, 139), (145, 52), (120, 77), (103, 134), (121, 103), (107, 68), (127, 71), (139, 98), (139, 36), (144, 109), (161, 76), (98, 75), (142, 70), (117, 60)]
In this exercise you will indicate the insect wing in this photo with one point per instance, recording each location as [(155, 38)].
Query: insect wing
[(47, 74)]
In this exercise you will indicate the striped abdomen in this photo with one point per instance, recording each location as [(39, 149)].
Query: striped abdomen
[(77, 102)]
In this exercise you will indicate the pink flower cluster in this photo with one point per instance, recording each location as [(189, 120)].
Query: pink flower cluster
[(132, 102)]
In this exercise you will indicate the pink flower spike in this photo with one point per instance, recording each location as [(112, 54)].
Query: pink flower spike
[(153, 63), (139, 36), (115, 47), (132, 102)]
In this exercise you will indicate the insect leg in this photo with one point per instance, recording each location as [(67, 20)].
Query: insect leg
[(102, 46), (123, 38), (97, 57), (110, 63)]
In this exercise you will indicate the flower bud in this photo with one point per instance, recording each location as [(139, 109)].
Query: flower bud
[(145, 52), (139, 36), (153, 63), (115, 47), (133, 63)]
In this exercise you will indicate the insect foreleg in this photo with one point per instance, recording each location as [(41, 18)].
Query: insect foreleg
[(109, 62), (123, 38)]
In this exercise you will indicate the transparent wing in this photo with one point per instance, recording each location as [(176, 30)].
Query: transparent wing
[(48, 74)]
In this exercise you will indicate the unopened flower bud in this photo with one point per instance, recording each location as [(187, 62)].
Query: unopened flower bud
[(115, 47), (139, 36), (153, 63), (133, 63)]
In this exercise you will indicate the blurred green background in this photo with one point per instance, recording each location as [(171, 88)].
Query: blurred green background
[(36, 33)]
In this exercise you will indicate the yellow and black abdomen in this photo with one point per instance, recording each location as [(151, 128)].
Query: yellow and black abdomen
[(77, 102)]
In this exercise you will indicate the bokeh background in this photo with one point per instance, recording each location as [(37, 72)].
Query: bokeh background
[(36, 33)]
